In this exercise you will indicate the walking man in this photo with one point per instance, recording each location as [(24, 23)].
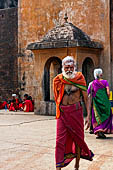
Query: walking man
[(68, 87)]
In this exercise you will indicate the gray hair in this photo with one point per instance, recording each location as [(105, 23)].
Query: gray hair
[(97, 73), (68, 61)]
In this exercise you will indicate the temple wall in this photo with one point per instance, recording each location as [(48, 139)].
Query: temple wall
[(36, 18), (8, 52)]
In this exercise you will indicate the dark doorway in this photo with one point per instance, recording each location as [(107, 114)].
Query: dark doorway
[(51, 69), (87, 70)]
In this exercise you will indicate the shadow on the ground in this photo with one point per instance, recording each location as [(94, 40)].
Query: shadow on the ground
[(108, 137)]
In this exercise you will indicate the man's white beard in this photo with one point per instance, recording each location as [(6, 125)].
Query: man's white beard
[(68, 75)]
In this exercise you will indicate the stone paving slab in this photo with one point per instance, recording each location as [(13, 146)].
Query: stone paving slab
[(27, 142)]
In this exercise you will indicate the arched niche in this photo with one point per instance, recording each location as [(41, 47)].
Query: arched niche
[(51, 69), (87, 69)]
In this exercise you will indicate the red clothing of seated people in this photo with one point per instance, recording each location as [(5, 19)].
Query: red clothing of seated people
[(28, 106), (21, 106), (3, 104), (11, 107), (14, 106)]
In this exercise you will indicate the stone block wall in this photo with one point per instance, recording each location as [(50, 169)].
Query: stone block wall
[(8, 3), (47, 108), (111, 42), (8, 51), (36, 18)]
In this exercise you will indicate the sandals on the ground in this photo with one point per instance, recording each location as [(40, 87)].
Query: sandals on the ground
[(101, 135)]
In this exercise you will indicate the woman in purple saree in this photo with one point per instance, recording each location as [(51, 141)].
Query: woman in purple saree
[(101, 114)]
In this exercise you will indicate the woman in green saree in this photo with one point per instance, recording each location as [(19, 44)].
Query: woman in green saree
[(101, 118)]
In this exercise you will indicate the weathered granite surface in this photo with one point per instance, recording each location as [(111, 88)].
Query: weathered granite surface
[(8, 3), (66, 35)]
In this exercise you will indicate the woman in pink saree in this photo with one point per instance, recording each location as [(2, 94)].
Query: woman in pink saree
[(101, 118)]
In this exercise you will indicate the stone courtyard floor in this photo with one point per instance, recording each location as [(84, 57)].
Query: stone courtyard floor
[(27, 142)]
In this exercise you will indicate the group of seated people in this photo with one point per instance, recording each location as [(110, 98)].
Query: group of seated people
[(16, 103)]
